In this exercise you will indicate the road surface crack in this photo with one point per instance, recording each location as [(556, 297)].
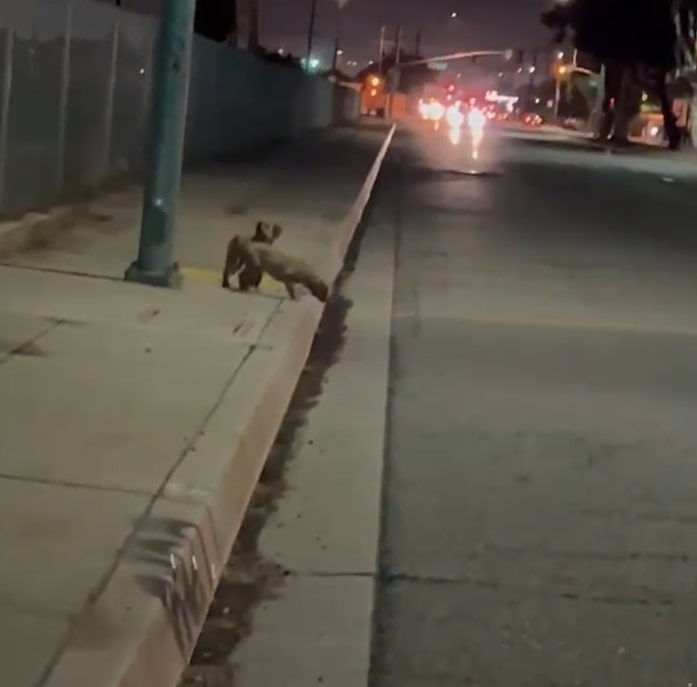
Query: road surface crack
[(648, 597)]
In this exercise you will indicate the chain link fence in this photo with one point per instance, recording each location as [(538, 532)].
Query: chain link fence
[(75, 81)]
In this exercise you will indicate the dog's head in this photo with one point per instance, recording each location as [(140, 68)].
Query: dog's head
[(266, 232)]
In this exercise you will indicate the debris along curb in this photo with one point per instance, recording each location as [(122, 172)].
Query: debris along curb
[(37, 228), (143, 624)]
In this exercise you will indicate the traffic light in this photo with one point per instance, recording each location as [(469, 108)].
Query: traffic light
[(561, 70), (516, 57), (450, 88)]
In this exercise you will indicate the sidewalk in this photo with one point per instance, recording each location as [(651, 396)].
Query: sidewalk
[(135, 420)]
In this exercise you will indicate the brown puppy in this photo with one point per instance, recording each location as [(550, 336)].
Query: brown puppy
[(265, 232), (288, 269)]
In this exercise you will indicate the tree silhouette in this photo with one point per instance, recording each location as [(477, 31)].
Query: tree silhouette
[(216, 19), (640, 43)]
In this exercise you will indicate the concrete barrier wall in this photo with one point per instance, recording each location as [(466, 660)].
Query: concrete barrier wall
[(75, 79)]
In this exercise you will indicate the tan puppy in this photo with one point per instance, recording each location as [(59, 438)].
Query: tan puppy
[(266, 233), (260, 257)]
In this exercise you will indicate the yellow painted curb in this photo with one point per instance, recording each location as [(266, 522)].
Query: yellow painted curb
[(202, 275)]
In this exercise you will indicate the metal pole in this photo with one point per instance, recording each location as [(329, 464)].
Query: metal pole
[(557, 97), (395, 70), (253, 42), (5, 115), (337, 41), (154, 264), (456, 56), (417, 43), (533, 71), (569, 84), (599, 98), (109, 100), (335, 57), (382, 49), (63, 102), (310, 33)]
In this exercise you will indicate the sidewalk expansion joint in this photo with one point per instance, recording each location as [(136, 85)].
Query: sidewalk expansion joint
[(29, 348), (60, 270), (66, 484), (645, 597)]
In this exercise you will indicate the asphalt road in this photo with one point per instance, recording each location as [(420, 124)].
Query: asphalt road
[(540, 504)]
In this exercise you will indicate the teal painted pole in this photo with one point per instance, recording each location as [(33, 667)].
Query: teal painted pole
[(169, 97)]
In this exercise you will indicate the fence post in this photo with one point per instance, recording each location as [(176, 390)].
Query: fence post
[(109, 100), (5, 113), (64, 93)]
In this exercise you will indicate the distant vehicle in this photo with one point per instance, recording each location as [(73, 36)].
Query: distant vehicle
[(431, 109), (532, 119)]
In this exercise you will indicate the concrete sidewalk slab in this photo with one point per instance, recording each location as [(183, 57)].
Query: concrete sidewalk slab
[(135, 421)]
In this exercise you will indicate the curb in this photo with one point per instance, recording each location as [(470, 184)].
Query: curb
[(352, 220), (128, 638)]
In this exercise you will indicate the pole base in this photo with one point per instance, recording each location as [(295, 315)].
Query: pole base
[(171, 278)]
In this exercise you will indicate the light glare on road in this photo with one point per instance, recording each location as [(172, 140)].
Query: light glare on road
[(454, 117), (476, 119)]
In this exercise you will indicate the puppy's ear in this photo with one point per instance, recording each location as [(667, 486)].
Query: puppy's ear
[(261, 232), (276, 231)]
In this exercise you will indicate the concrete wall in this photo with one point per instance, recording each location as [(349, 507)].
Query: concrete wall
[(74, 99)]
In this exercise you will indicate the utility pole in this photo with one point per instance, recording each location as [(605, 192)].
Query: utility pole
[(532, 70), (335, 57), (169, 97), (382, 49), (597, 116), (569, 83), (233, 37), (557, 95), (253, 43), (417, 43), (397, 44), (337, 40), (311, 33), (394, 76)]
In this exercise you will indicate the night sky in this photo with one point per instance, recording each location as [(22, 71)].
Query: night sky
[(481, 24)]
